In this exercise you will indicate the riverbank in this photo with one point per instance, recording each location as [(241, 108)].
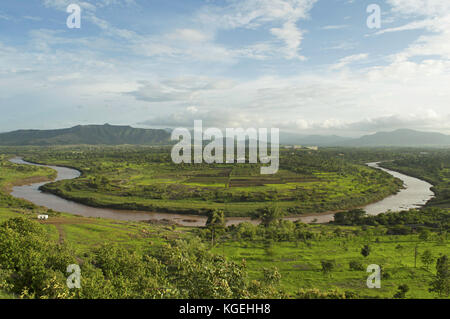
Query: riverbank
[(35, 195), (147, 180), (9, 181), (440, 179)]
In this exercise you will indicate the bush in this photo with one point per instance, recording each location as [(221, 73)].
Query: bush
[(31, 261), (328, 266), (33, 266), (365, 251), (356, 265), (402, 290), (399, 230)]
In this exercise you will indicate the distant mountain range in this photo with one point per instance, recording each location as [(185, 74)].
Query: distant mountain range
[(316, 140), (87, 134), (117, 135), (402, 137), (398, 138)]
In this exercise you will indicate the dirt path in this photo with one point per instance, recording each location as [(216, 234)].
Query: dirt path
[(58, 222)]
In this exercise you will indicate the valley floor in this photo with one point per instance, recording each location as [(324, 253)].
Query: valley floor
[(299, 263)]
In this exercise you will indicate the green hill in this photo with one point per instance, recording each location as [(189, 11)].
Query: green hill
[(401, 137), (87, 134)]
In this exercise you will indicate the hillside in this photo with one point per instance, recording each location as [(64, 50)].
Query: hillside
[(400, 138), (117, 135), (87, 134), (308, 140)]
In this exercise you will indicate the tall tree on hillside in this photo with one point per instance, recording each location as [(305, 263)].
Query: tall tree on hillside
[(441, 282), (267, 215), (427, 259), (216, 223)]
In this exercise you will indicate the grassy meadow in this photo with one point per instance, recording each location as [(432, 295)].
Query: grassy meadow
[(146, 179), (300, 264), (296, 263)]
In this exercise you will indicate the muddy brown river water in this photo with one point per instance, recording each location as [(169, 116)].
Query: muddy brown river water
[(415, 194)]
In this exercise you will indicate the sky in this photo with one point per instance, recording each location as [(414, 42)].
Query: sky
[(303, 66)]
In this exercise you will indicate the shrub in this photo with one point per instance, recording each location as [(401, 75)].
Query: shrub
[(356, 265), (328, 266)]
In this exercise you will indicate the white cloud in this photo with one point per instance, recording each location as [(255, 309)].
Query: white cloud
[(62, 4), (405, 92), (427, 120), (210, 118), (375, 98), (431, 15), (292, 36), (349, 60), (421, 7), (281, 17), (86, 5), (189, 35), (335, 27), (182, 89), (255, 13), (4, 17)]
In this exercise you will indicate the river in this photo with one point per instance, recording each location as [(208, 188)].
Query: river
[(415, 194)]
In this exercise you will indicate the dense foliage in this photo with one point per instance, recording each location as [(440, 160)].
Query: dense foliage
[(410, 220), (32, 265)]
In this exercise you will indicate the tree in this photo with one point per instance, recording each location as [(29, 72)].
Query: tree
[(427, 259), (441, 282), (365, 251), (215, 223), (338, 232), (271, 276), (267, 215), (303, 235), (351, 217), (402, 290), (328, 266), (31, 264), (356, 265), (424, 234)]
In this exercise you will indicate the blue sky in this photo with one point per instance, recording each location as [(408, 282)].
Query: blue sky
[(306, 66)]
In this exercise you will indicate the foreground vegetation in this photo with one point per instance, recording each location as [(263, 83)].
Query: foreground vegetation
[(276, 259)]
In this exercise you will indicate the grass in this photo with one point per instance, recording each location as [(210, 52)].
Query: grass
[(5, 295), (14, 175), (298, 263), (83, 234), (125, 182)]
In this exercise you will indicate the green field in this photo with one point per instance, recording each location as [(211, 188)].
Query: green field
[(146, 179), (189, 267), (300, 264)]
